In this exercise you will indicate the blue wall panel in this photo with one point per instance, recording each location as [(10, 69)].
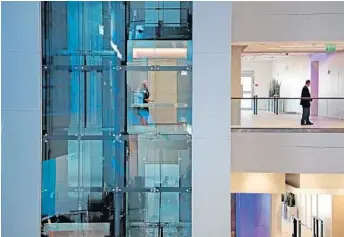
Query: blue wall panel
[(48, 187), (253, 215)]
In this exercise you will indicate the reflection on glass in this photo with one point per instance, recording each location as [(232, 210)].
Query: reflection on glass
[(168, 81), (104, 171), (160, 20), (161, 169)]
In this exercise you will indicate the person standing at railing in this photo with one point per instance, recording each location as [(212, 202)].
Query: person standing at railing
[(305, 102), (144, 99)]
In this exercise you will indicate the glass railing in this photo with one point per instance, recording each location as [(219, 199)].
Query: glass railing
[(158, 118), (286, 112)]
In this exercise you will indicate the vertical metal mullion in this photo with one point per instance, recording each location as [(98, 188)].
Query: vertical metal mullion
[(160, 224), (126, 39), (126, 22), (48, 61), (102, 101), (79, 142), (85, 91)]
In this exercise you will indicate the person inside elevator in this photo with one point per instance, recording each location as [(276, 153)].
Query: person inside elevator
[(305, 102), (143, 111)]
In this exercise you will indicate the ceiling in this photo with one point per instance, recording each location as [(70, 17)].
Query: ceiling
[(289, 47), (251, 50), (269, 56)]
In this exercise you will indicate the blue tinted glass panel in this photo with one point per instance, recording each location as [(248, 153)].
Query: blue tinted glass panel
[(151, 16), (111, 162), (152, 4), (171, 16), (160, 20), (171, 4)]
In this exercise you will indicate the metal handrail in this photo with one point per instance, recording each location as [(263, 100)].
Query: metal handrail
[(315, 217), (316, 231), (297, 228), (289, 98)]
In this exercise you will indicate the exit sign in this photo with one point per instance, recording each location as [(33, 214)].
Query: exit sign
[(330, 47)]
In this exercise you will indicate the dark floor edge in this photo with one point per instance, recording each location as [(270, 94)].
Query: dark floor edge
[(289, 130)]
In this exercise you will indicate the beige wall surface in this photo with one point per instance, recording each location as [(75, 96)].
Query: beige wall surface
[(257, 183), (163, 89), (337, 215), (322, 181)]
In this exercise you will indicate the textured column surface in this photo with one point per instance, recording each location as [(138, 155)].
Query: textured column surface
[(211, 93), (21, 119)]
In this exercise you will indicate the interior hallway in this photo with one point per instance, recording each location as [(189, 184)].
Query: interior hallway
[(270, 120)]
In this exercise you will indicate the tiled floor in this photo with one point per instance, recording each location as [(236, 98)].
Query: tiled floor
[(270, 120)]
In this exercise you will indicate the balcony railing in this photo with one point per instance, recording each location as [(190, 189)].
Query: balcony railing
[(286, 112)]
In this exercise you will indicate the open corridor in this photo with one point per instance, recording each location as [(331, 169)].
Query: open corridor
[(270, 120)]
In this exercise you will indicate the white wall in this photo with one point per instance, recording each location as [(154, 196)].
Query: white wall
[(303, 203), (331, 84), (325, 212), (287, 152), (292, 72), (262, 71), (321, 205), (327, 207), (287, 21)]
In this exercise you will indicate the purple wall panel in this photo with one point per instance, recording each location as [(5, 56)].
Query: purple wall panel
[(314, 86), (253, 215)]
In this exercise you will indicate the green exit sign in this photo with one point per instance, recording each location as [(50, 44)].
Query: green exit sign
[(330, 47)]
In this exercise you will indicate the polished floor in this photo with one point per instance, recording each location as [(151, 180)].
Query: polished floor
[(269, 120)]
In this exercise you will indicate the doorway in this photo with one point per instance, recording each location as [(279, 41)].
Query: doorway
[(247, 83)]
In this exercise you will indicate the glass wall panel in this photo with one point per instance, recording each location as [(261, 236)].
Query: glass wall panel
[(159, 184), (162, 68), (115, 161), (159, 20)]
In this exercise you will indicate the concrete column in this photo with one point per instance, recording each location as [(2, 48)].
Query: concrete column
[(21, 118), (314, 86), (236, 87), (276, 215), (211, 93)]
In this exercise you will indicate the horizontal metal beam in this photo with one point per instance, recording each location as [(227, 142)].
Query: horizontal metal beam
[(101, 68)]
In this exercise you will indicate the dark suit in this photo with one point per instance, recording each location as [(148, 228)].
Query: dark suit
[(306, 104)]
